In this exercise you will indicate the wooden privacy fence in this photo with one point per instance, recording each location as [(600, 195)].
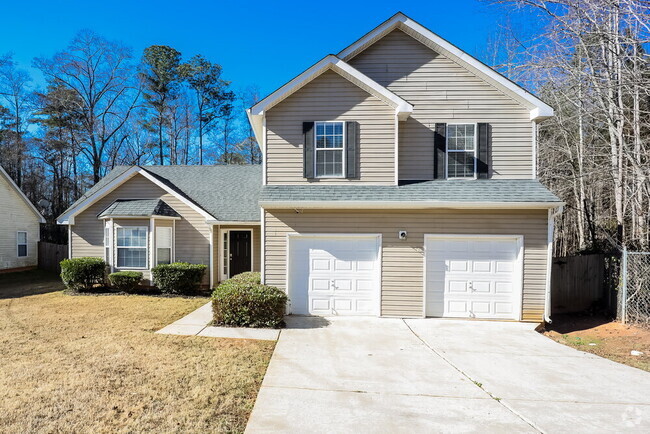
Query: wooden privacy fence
[(49, 256), (577, 282)]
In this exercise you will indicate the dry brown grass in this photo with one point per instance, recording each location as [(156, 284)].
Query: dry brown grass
[(603, 337), (93, 364)]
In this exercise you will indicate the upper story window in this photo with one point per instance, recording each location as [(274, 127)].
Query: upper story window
[(461, 151), (329, 149), (132, 247), (21, 243)]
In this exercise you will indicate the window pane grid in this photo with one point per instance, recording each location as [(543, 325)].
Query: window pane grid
[(461, 150), (21, 244), (132, 247), (329, 149)]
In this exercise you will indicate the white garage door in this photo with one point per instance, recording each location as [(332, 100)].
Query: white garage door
[(334, 275), (473, 277)]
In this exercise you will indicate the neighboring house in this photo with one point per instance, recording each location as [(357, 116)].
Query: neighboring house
[(20, 228), (398, 179)]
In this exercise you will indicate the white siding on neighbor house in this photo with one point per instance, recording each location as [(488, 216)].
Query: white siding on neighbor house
[(443, 91), (192, 232), (330, 97), (402, 260), (16, 215)]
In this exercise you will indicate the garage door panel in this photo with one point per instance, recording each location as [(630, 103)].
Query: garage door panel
[(504, 267), (457, 286), (340, 265), (366, 285), (321, 264), (481, 287), (339, 276), (480, 307), (481, 266), (320, 285), (472, 277)]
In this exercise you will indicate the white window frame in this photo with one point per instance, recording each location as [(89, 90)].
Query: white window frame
[(447, 151), (171, 242), (224, 251), (26, 244), (316, 150), (117, 247)]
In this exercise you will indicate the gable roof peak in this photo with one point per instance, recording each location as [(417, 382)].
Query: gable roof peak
[(539, 110)]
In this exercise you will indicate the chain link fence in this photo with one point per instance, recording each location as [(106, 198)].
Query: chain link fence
[(634, 295)]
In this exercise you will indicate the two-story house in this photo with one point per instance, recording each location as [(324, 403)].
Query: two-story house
[(398, 179)]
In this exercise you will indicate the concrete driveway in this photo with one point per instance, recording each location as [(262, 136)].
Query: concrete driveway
[(389, 375)]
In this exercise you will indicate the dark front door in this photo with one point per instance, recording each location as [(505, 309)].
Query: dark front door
[(240, 252)]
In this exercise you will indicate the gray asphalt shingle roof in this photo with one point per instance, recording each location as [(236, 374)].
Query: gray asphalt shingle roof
[(227, 192), (234, 193), (489, 190), (139, 208)]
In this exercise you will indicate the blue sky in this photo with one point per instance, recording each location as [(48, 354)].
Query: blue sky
[(257, 43)]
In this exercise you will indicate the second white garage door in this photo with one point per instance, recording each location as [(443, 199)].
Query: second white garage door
[(334, 275), (474, 276)]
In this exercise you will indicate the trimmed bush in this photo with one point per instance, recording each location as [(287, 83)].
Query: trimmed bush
[(248, 277), (125, 280), (81, 274), (244, 302), (179, 277)]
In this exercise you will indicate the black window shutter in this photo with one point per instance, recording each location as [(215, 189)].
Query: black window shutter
[(308, 150), (483, 160), (351, 148), (439, 151)]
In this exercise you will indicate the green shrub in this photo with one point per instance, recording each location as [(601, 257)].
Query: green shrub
[(125, 280), (248, 277), (246, 303), (179, 277), (81, 274)]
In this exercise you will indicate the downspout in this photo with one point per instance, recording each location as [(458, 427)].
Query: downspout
[(552, 213)]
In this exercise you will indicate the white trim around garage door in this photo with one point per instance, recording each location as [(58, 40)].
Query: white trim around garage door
[(519, 272), (293, 235)]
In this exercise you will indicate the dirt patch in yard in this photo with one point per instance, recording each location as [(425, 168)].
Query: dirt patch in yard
[(94, 364), (603, 337)]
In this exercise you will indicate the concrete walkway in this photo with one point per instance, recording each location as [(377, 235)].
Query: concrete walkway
[(196, 324), (388, 375)]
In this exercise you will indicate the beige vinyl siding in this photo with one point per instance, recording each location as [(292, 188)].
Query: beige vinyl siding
[(16, 215), (191, 237), (402, 260), (330, 97), (443, 91)]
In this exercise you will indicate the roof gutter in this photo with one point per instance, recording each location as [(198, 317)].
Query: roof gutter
[(340, 204)]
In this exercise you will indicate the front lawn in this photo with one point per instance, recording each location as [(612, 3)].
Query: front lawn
[(93, 364), (603, 337)]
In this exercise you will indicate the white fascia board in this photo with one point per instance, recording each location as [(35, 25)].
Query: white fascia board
[(135, 217), (330, 62), (232, 223), (183, 199), (68, 217), (22, 195), (257, 122), (257, 112), (540, 109), (338, 204)]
